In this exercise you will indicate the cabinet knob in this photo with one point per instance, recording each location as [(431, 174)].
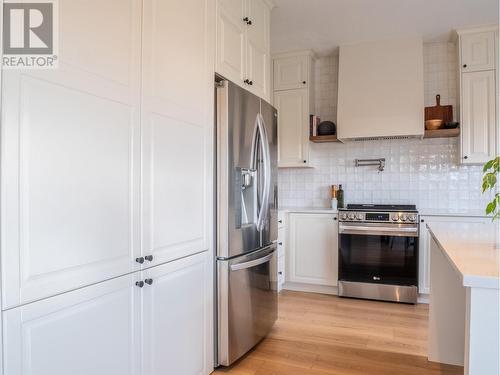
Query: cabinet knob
[(464, 66), (249, 22), (149, 281), (246, 81), (304, 82), (334, 219), (466, 157), (280, 273), (305, 161), (245, 19), (280, 221), (280, 243), (149, 258), (250, 83), (139, 260), (140, 284), (421, 220)]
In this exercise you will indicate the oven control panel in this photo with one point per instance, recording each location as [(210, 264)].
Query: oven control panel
[(379, 217)]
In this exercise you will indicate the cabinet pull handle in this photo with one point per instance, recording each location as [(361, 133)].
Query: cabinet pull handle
[(334, 219), (304, 82), (305, 161), (246, 81), (421, 220), (280, 221), (139, 260), (466, 157), (140, 284), (149, 281), (280, 243), (280, 273), (149, 258), (464, 66), (245, 19), (250, 83), (249, 22)]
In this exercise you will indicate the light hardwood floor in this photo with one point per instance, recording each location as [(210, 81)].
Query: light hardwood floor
[(320, 334)]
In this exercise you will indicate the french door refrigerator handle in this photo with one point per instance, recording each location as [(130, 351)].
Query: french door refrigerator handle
[(266, 156), (251, 263)]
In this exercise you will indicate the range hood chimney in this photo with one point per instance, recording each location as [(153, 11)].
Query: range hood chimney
[(381, 90)]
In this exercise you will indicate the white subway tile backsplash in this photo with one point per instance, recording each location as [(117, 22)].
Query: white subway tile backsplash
[(422, 172)]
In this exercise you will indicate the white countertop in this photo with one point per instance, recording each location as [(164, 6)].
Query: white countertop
[(313, 210), (423, 212), (473, 250), (451, 212)]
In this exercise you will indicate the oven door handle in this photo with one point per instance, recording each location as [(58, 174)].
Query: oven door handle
[(377, 231)]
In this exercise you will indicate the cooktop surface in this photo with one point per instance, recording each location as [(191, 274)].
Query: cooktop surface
[(382, 207)]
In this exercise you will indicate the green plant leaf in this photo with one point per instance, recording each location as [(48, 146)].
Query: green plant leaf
[(490, 208), (488, 165)]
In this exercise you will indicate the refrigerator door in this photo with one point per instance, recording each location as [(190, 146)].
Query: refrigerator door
[(239, 178), (270, 120), (247, 302)]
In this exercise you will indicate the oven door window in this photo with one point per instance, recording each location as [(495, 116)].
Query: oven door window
[(378, 259)]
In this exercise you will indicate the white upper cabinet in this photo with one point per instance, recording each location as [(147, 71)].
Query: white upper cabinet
[(312, 256), (177, 122), (231, 40), (291, 72), (478, 117), (177, 318), (477, 51), (293, 128), (70, 169), (478, 94), (243, 44), (94, 330)]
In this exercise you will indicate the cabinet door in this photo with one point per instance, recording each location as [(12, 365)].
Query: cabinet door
[(478, 51), (478, 117), (70, 157), (176, 318), (258, 48), (177, 122), (94, 330), (231, 40), (291, 72), (293, 127), (424, 247), (312, 256)]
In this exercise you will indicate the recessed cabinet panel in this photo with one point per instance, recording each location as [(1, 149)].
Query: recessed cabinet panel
[(293, 118), (312, 256), (478, 117), (176, 125), (70, 159), (291, 73), (175, 324), (94, 330), (478, 51), (231, 40)]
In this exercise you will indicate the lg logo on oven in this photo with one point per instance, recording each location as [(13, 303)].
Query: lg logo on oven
[(30, 31)]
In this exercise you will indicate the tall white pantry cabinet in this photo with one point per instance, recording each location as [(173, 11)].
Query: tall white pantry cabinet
[(106, 201)]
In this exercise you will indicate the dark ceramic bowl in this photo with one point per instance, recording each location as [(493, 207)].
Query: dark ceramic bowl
[(327, 128)]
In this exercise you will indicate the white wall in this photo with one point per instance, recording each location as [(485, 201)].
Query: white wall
[(422, 172)]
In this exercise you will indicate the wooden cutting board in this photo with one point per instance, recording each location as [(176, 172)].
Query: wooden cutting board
[(439, 112)]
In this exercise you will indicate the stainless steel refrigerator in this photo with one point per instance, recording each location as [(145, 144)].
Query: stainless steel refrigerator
[(247, 304)]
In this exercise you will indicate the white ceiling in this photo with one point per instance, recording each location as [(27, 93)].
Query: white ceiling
[(323, 25)]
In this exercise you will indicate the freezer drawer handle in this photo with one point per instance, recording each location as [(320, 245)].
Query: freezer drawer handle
[(252, 263)]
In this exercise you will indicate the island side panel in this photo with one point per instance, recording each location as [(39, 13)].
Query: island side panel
[(446, 311), (482, 341)]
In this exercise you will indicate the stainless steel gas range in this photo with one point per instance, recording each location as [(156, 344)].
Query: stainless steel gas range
[(378, 252)]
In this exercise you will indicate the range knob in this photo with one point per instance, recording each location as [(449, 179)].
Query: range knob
[(344, 216), (395, 217), (413, 218), (404, 218), (351, 216), (359, 216)]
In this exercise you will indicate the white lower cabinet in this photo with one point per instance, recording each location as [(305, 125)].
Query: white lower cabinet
[(100, 329), (176, 313), (312, 250), (94, 330), (425, 245)]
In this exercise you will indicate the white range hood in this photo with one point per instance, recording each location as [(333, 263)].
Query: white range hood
[(381, 90)]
